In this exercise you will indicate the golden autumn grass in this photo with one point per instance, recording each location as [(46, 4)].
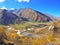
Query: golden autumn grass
[(48, 37)]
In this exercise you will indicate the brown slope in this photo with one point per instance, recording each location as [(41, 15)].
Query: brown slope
[(33, 15)]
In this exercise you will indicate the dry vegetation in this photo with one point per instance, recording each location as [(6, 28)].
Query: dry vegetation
[(51, 37)]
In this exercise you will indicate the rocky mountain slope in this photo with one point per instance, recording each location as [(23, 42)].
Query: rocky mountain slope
[(7, 17), (33, 15), (22, 15)]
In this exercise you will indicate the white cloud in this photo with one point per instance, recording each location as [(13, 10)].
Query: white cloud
[(2, 0), (22, 0), (19, 0), (11, 8), (26, 0), (3, 7)]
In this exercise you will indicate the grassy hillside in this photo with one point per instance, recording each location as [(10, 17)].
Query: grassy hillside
[(38, 36)]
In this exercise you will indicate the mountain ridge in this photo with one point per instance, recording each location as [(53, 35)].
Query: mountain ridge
[(28, 13), (22, 15)]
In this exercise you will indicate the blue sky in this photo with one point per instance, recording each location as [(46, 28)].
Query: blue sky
[(51, 7)]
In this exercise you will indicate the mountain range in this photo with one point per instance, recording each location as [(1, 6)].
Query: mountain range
[(23, 15)]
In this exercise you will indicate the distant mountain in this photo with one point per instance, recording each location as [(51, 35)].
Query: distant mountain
[(33, 15), (7, 17), (22, 15)]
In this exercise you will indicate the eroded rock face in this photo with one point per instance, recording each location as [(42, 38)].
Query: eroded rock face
[(33, 15)]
